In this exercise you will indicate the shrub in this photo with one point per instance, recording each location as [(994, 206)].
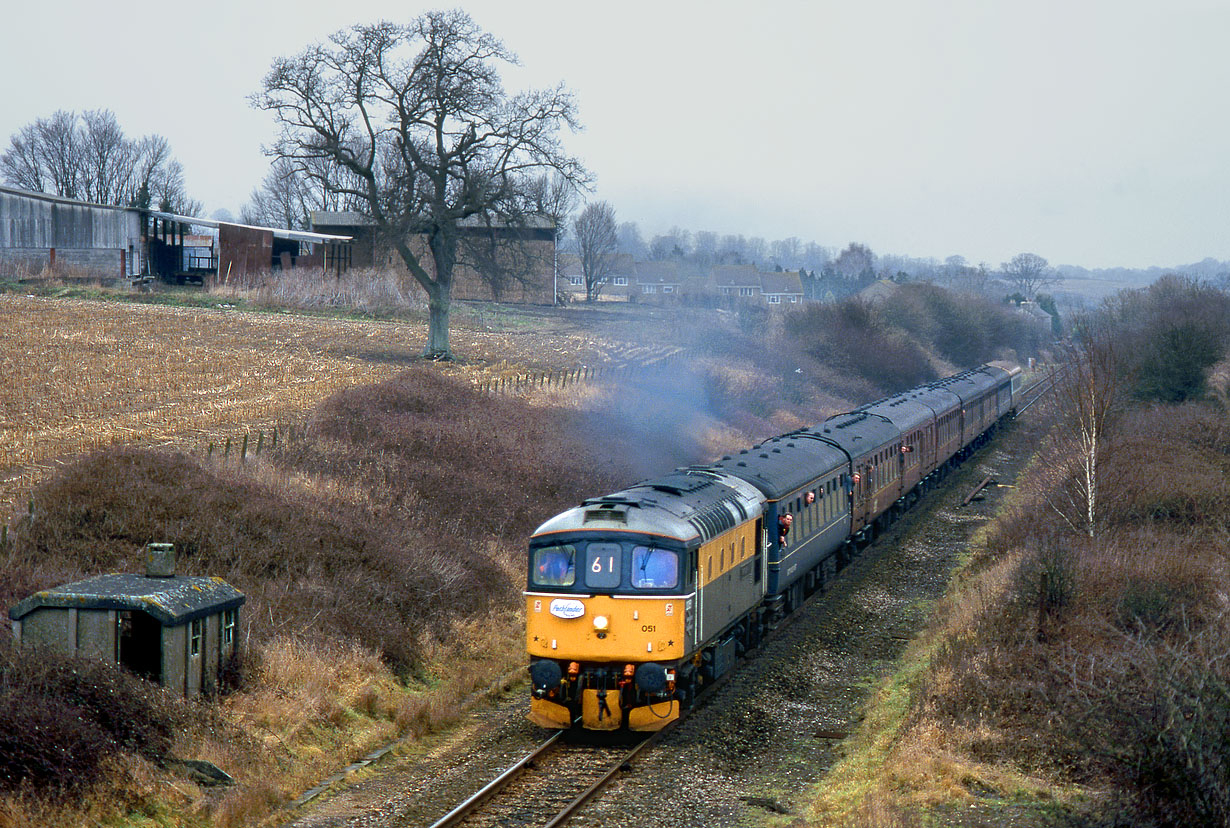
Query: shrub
[(1159, 715), (1171, 334), (854, 337), (61, 717)]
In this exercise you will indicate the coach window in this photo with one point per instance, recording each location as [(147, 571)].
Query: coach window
[(654, 568), (603, 562), (555, 565)]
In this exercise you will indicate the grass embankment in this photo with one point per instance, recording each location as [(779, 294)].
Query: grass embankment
[(1068, 678)]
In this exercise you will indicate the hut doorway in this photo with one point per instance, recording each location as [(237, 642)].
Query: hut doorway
[(140, 644)]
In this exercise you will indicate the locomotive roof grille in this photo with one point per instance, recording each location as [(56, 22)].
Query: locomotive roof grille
[(716, 519)]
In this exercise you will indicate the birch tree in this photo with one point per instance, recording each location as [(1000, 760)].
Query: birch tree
[(1086, 400)]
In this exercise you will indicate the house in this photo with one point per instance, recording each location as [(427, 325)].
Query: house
[(659, 279), (177, 630), (736, 281), (878, 291), (785, 288), (40, 231), (620, 284), (1038, 318)]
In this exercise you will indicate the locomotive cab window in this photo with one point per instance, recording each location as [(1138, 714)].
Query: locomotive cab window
[(654, 568), (603, 564), (555, 565)]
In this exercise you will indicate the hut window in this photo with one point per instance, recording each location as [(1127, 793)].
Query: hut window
[(228, 626), (194, 636)]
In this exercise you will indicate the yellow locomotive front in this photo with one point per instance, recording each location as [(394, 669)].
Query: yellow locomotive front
[(607, 653), (612, 602)]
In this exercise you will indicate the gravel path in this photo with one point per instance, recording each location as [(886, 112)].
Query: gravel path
[(776, 727)]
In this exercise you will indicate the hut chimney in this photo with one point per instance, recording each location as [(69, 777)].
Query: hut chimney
[(160, 560)]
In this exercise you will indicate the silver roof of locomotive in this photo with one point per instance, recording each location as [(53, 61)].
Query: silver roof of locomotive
[(688, 505)]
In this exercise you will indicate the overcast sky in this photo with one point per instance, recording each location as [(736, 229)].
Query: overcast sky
[(1089, 132)]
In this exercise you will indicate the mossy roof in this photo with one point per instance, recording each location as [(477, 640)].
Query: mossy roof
[(173, 601)]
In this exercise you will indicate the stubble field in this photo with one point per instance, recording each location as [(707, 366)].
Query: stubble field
[(80, 375)]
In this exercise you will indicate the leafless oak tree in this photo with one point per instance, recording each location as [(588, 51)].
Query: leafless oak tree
[(597, 242), (418, 116)]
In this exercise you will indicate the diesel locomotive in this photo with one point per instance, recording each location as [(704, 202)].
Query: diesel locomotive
[(639, 599)]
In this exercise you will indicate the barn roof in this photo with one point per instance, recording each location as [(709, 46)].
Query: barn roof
[(278, 232), (173, 601)]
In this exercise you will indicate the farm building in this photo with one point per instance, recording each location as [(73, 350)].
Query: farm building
[(177, 630), (39, 231), (500, 262)]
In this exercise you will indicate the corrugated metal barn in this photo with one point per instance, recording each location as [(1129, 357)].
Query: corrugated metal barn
[(38, 231)]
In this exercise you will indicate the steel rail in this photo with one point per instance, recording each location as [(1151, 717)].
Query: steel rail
[(589, 793), (1042, 386), (494, 786)]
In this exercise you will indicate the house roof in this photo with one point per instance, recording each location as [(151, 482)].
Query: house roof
[(1035, 310), (879, 290), (781, 283), (736, 276), (659, 273), (173, 601), (16, 191)]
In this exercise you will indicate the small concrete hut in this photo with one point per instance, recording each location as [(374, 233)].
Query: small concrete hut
[(177, 630)]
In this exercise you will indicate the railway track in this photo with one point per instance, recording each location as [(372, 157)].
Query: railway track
[(1038, 390), (548, 785)]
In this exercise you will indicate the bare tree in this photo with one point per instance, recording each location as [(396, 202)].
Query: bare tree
[(89, 157), (1086, 399), (597, 241), (59, 152), (630, 240), (675, 243), (1029, 273), (285, 198), (855, 262), (108, 159), (419, 118), (786, 252), (706, 250), (21, 163)]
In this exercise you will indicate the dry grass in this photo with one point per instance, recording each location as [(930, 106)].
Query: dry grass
[(1104, 681)]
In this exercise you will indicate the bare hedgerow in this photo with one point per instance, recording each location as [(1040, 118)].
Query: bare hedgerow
[(1157, 712), (61, 717)]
